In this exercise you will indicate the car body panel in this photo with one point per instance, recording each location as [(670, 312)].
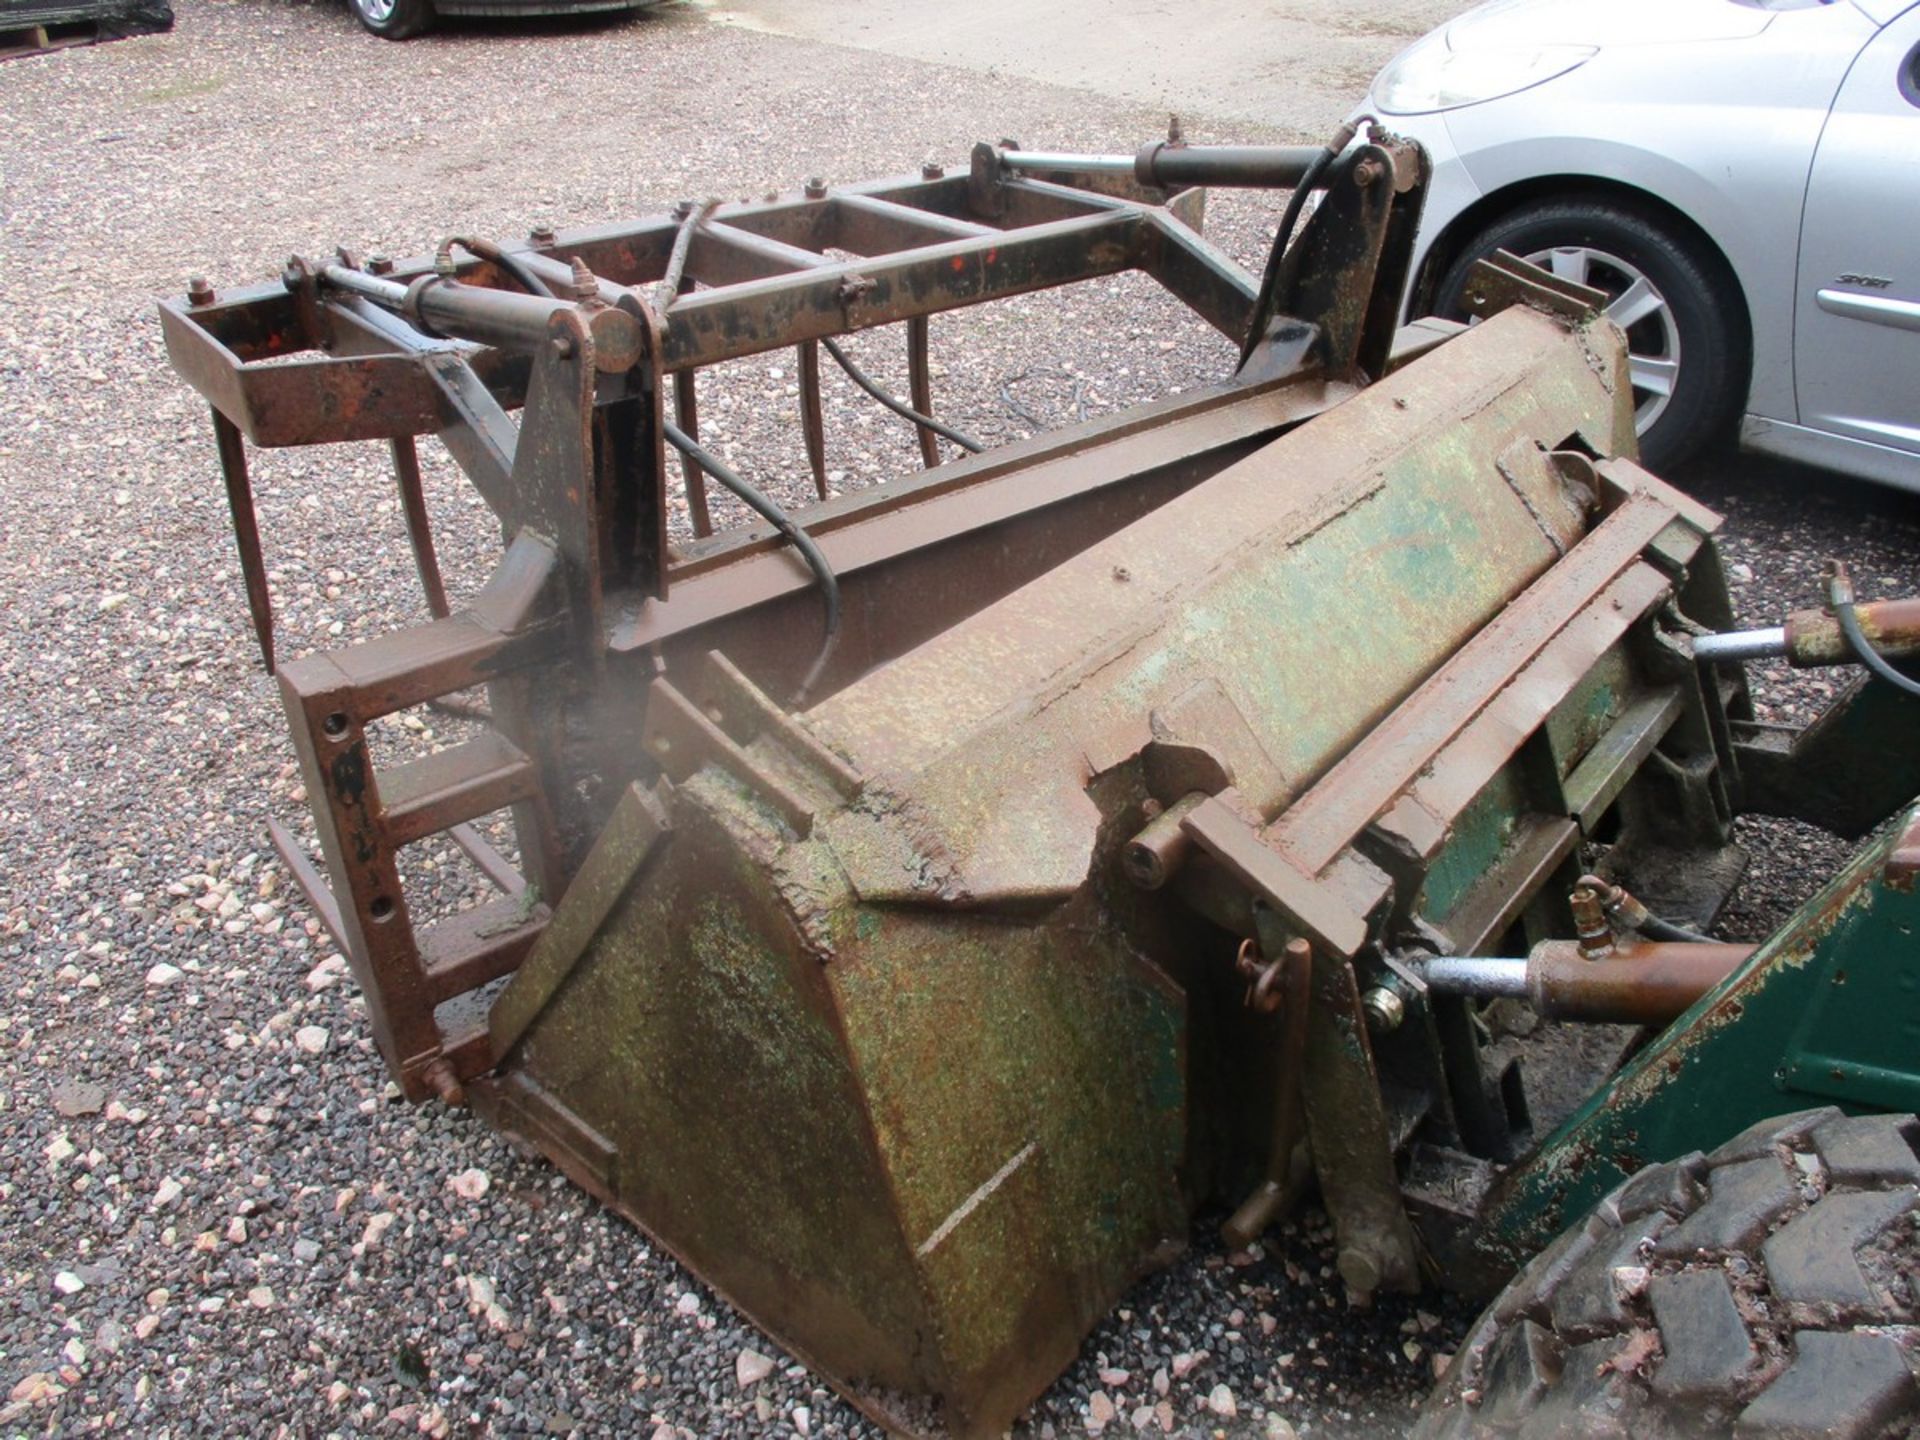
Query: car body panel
[(1617, 23), (1881, 12), (1732, 161), (1857, 321), (538, 7), (1732, 149)]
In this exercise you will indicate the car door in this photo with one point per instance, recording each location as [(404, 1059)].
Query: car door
[(1857, 305)]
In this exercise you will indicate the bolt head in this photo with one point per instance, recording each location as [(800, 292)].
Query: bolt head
[(932, 170), (1385, 1012), (541, 235), (816, 187), (586, 285), (199, 292)]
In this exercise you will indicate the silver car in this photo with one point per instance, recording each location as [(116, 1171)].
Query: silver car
[(403, 19), (1742, 177)]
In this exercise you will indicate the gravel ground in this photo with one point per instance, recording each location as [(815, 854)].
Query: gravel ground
[(220, 1218)]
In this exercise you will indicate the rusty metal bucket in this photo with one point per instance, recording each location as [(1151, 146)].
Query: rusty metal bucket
[(862, 1016), (1090, 880)]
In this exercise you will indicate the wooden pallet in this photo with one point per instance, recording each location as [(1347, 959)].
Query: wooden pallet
[(33, 27)]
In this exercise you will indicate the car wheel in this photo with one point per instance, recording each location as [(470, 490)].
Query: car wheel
[(1765, 1290), (1685, 327), (394, 19)]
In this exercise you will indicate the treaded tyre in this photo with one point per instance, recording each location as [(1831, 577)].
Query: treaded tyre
[(1686, 325), (393, 19), (1770, 1289)]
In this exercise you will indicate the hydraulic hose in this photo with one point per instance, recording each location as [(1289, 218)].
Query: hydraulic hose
[(503, 259), (1659, 929), (898, 406), (1840, 598), (769, 510), (1290, 217)]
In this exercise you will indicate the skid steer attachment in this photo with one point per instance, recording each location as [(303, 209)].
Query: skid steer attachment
[(926, 900)]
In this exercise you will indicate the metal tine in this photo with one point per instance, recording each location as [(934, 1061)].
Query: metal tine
[(246, 529), (686, 412), (413, 501), (686, 396), (311, 882), (920, 383), (495, 866), (813, 423)]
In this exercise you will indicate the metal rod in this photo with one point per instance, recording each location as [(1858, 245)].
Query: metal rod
[(246, 530), (390, 293), (813, 425), (920, 387), (1063, 163), (686, 411), (1253, 167), (312, 883), (1260, 1208), (413, 502), (1736, 645), (509, 319), (1472, 975), (500, 874)]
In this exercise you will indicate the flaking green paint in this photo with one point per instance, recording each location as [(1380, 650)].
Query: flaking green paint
[(1730, 1060)]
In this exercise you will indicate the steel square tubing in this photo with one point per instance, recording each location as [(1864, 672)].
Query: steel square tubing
[(709, 326)]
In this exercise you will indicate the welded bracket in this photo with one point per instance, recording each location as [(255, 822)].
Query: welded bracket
[(1332, 915), (1352, 1140)]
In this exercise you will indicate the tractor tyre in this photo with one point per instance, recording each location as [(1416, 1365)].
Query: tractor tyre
[(1769, 1289)]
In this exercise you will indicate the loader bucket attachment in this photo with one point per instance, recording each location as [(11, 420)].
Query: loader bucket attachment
[(874, 1032), (913, 908)]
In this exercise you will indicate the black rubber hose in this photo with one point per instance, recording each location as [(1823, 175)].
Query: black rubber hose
[(1840, 598), (769, 510), (899, 407), (1290, 217), (1660, 929), (503, 259)]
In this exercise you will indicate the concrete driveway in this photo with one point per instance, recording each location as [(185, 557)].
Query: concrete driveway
[(1298, 65)]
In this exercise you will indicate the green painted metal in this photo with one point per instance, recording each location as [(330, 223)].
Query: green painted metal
[(1479, 838), (1828, 1010), (1816, 774), (879, 1039)]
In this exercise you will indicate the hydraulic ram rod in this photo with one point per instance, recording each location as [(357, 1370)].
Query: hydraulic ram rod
[(1642, 983), (1736, 645), (509, 319), (1252, 167)]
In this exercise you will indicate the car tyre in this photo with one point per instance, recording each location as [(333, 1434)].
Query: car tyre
[(393, 19), (1684, 318), (1764, 1290)]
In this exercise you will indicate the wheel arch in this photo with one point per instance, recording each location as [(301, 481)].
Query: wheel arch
[(1450, 242)]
